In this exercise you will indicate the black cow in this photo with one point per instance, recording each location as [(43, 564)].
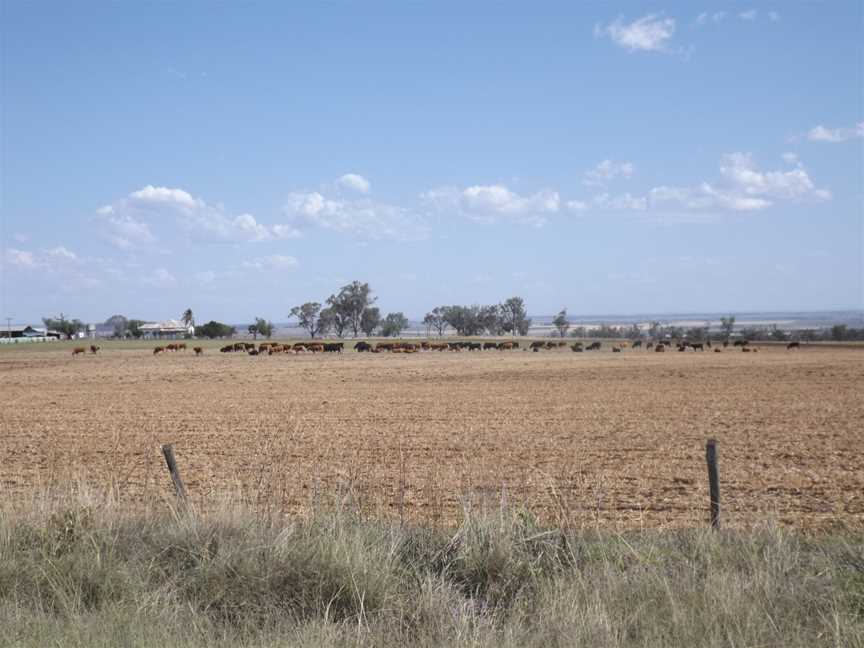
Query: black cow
[(594, 346)]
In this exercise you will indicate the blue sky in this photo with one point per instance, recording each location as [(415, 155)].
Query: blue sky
[(242, 158)]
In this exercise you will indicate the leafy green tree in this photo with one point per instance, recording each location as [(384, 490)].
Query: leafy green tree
[(67, 327), (561, 323), (135, 327), (263, 327), (490, 319), (838, 332), (212, 330), (394, 324), (371, 320), (465, 319), (348, 306), (514, 316), (311, 317), (435, 319), (777, 334)]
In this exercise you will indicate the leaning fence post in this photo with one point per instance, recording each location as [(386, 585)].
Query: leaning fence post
[(179, 488), (713, 481)]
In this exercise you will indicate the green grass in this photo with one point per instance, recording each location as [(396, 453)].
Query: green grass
[(96, 576)]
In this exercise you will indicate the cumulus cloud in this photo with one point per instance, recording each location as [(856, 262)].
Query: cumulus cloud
[(363, 218), (744, 187), (494, 203), (790, 158), (160, 277), (606, 171), (624, 202), (750, 15), (834, 135), (67, 269), (354, 182), (131, 221), (650, 33), (272, 262)]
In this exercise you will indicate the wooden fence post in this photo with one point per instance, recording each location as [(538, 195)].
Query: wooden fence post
[(713, 481), (179, 488)]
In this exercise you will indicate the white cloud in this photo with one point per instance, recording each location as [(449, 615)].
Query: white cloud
[(773, 16), (272, 262), (744, 188), (363, 218), (822, 134), (704, 17), (577, 205), (20, 258), (790, 158), (750, 15), (131, 221), (159, 277), (606, 171), (494, 203), (624, 202), (650, 33), (355, 182)]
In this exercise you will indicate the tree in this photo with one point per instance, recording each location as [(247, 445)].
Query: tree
[(838, 332), (253, 331), (777, 333), (561, 322), (435, 319), (514, 317), (135, 327), (311, 317), (213, 329), (119, 325), (465, 319), (727, 324), (490, 319), (188, 318), (371, 320), (63, 325), (348, 306), (394, 324), (263, 327), (655, 329)]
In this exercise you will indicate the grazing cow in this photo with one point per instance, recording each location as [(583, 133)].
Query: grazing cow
[(362, 346), (746, 349), (793, 345), (505, 346), (158, 350), (637, 344), (475, 346), (198, 351), (594, 346), (94, 349), (649, 345), (490, 345), (515, 345), (682, 347), (660, 348), (718, 350), (667, 343), (536, 345), (227, 349), (697, 346), (577, 347), (551, 345), (181, 346), (252, 352), (334, 347), (616, 349), (78, 350)]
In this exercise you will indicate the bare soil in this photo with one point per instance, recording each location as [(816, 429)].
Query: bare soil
[(613, 439)]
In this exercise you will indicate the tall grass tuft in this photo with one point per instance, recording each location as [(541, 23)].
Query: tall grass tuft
[(91, 575)]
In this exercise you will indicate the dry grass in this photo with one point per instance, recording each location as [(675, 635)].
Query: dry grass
[(608, 440), (86, 572)]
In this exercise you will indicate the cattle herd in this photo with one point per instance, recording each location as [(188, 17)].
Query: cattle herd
[(271, 348)]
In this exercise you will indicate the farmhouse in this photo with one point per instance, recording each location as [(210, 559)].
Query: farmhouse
[(26, 333), (168, 329)]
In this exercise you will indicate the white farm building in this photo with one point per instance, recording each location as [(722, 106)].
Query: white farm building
[(168, 329)]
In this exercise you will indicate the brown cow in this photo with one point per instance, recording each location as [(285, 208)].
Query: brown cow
[(660, 348), (158, 350), (78, 350), (94, 349), (198, 351)]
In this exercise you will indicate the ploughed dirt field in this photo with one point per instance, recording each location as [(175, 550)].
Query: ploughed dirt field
[(615, 439)]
